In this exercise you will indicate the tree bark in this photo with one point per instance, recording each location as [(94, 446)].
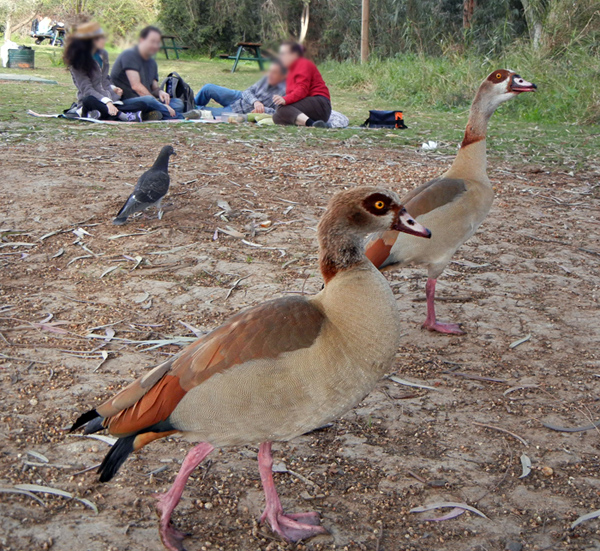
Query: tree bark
[(304, 19), (534, 23), (7, 31), (26, 20), (468, 11), (364, 32)]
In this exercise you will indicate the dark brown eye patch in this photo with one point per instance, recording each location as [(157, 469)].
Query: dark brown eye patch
[(499, 76), (378, 204)]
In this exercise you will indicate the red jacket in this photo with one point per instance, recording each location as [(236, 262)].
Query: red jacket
[(303, 81)]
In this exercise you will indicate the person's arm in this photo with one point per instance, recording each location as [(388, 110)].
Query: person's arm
[(84, 85), (136, 83), (250, 95), (162, 96)]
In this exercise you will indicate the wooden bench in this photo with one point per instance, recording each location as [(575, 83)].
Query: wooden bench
[(250, 48), (165, 47)]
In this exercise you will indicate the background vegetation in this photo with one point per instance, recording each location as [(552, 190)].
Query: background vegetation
[(425, 54)]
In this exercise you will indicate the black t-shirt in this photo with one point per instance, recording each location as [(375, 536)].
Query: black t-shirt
[(131, 60)]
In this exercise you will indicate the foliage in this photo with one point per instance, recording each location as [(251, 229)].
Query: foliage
[(118, 17)]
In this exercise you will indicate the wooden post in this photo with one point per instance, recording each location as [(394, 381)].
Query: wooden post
[(364, 32)]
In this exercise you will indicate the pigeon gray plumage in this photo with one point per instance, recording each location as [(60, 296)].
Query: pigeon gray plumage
[(151, 187)]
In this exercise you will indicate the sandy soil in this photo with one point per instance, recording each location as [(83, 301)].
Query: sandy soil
[(532, 269)]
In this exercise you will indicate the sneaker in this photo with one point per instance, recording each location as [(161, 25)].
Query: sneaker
[(321, 124), (134, 117), (153, 116), (193, 114), (94, 114)]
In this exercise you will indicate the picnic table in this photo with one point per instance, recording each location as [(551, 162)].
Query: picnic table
[(165, 47), (252, 50)]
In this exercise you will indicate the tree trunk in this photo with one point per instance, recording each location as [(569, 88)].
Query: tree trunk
[(364, 32), (7, 24), (534, 23), (25, 21), (304, 19), (468, 11)]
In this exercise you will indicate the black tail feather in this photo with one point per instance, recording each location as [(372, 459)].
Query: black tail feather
[(95, 425), (84, 419), (116, 457)]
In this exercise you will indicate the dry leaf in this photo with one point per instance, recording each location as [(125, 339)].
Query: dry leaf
[(526, 464)]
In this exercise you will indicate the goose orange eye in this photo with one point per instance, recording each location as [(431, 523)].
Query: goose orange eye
[(498, 76), (379, 205)]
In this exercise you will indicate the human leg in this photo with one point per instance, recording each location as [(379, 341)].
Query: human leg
[(304, 112), (286, 114), (90, 103), (221, 95), (153, 105)]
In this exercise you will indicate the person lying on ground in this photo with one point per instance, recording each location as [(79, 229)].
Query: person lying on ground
[(256, 99), (136, 72), (88, 63), (307, 101)]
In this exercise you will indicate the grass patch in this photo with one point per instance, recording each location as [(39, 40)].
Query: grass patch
[(546, 129)]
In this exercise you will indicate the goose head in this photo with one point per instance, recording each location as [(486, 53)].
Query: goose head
[(500, 86), (352, 215), (364, 210)]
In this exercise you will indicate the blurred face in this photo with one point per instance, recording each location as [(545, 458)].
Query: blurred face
[(286, 56), (99, 43), (150, 45), (275, 75)]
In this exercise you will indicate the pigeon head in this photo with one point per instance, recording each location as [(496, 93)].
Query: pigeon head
[(167, 151)]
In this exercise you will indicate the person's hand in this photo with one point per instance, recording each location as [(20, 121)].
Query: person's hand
[(112, 109), (258, 107), (118, 91), (171, 111), (278, 100), (164, 97)]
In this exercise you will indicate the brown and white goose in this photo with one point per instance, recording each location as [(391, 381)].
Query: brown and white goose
[(453, 205), (274, 371)]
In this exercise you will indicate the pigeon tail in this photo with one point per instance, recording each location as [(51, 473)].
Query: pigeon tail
[(131, 206)]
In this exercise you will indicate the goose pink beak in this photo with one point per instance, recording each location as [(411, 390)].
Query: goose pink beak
[(404, 222), (519, 85)]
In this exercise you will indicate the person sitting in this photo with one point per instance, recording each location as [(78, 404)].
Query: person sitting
[(88, 63), (256, 99), (136, 72), (307, 101)]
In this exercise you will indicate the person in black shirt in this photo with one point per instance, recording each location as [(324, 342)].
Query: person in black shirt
[(135, 71)]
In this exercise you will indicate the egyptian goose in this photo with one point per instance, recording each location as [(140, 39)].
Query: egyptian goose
[(274, 371), (454, 204)]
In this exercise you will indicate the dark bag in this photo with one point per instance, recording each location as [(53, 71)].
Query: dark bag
[(385, 119), (178, 88)]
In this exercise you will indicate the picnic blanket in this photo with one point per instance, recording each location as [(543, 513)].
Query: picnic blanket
[(337, 120), (88, 119)]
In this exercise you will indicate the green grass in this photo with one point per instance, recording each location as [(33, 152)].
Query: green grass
[(547, 129)]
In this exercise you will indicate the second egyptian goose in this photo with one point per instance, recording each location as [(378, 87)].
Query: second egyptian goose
[(454, 204), (274, 371)]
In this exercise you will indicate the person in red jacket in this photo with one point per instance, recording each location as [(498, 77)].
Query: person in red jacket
[(307, 100)]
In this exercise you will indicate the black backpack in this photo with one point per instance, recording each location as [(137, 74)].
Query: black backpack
[(385, 119), (176, 87)]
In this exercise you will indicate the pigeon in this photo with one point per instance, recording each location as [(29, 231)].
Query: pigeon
[(150, 189)]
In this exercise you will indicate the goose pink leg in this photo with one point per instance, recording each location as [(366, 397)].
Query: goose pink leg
[(171, 537), (292, 526), (431, 322)]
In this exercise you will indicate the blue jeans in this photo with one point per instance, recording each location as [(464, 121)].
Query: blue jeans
[(221, 95), (154, 104)]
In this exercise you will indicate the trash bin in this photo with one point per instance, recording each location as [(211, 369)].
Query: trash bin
[(21, 59)]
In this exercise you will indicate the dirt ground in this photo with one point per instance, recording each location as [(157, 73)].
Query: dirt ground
[(531, 270)]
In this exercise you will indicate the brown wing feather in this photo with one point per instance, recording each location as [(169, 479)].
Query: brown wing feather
[(421, 200), (433, 195), (265, 331)]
